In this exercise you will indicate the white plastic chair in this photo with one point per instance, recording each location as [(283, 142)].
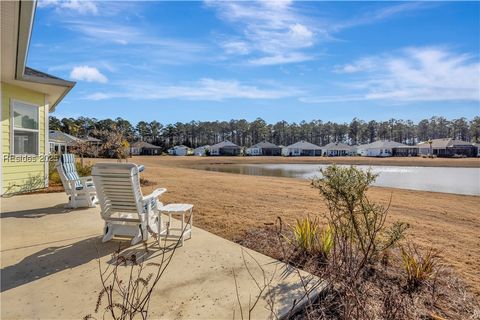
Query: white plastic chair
[(127, 213), (80, 190)]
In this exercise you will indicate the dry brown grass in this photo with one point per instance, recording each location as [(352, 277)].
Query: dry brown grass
[(231, 205)]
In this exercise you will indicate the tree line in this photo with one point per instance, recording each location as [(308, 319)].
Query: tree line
[(245, 133)]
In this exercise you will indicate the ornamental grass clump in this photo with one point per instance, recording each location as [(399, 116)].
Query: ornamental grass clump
[(419, 266), (325, 241), (305, 234), (310, 238)]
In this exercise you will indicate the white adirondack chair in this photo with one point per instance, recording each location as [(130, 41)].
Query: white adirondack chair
[(80, 190), (127, 213)]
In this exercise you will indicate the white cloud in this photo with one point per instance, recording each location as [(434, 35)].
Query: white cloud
[(89, 74), (364, 64), (415, 74), (236, 47), (205, 89), (374, 16), (170, 50), (80, 6), (272, 29), (280, 59)]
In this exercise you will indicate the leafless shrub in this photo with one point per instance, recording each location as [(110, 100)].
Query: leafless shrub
[(115, 144), (263, 284), (127, 283)]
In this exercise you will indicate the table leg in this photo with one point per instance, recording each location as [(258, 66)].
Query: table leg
[(183, 224), (191, 222)]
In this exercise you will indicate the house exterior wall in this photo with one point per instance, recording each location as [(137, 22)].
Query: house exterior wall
[(254, 151), (21, 173), (135, 151), (295, 152), (291, 152), (149, 151), (178, 151), (375, 152), (214, 151), (335, 153), (230, 151), (271, 151), (200, 151)]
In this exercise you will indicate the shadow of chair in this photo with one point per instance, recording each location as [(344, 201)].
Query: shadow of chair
[(39, 212), (54, 259)]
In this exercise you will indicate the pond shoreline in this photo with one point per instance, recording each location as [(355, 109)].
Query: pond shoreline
[(191, 161), (452, 180)]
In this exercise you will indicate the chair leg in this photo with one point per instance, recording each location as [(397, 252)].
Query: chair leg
[(139, 237), (108, 233), (71, 203)]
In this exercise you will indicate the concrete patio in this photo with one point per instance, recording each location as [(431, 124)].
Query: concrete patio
[(50, 270)]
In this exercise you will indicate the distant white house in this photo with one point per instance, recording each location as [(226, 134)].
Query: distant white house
[(302, 148), (144, 148), (264, 149), (380, 148), (180, 150), (225, 148), (337, 149), (201, 151)]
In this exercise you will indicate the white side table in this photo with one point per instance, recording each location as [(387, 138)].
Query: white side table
[(178, 209)]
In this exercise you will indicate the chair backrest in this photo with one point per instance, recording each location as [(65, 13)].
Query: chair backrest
[(67, 171), (118, 189)]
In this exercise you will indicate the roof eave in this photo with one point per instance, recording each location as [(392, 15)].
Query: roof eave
[(25, 26)]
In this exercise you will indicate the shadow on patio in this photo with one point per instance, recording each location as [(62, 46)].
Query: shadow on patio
[(37, 213), (54, 259)]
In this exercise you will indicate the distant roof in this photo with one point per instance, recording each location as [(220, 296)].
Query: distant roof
[(266, 145), (63, 137), (337, 146), (304, 145), (443, 143), (381, 144), (30, 72), (143, 144), (203, 147), (224, 144)]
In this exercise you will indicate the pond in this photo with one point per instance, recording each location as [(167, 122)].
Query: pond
[(437, 179)]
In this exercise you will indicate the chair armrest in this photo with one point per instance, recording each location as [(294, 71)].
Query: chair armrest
[(86, 179), (155, 194)]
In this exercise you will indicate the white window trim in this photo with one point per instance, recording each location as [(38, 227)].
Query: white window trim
[(12, 127)]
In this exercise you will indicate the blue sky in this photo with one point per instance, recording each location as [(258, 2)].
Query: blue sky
[(279, 60)]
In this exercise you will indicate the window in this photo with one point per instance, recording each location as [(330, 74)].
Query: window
[(25, 131)]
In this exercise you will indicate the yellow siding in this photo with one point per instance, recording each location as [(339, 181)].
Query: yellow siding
[(28, 173)]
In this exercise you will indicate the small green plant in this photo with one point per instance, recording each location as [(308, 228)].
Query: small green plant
[(84, 170), (310, 238), (305, 234), (325, 241), (53, 176), (418, 266)]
